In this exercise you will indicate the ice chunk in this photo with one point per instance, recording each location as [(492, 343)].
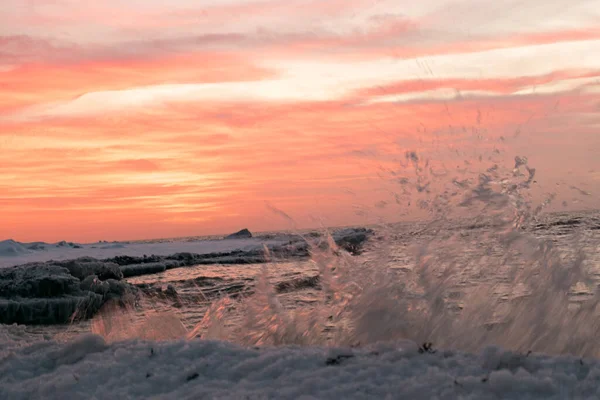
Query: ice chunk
[(49, 294)]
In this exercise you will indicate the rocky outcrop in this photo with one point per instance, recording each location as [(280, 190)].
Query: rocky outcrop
[(243, 234)]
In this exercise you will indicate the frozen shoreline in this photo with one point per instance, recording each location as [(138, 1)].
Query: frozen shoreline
[(14, 253), (22, 254), (60, 286), (89, 368)]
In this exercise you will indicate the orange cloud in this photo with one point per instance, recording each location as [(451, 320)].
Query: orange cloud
[(303, 158), (500, 86), (189, 165), (33, 83)]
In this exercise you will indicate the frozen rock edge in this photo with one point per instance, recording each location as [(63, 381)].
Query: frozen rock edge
[(57, 292), (90, 368)]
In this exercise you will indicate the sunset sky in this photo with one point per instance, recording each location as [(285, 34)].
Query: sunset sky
[(136, 119)]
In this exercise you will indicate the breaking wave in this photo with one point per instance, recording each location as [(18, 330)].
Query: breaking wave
[(476, 273)]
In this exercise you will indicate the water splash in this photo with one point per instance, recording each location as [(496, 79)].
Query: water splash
[(471, 282), (473, 275)]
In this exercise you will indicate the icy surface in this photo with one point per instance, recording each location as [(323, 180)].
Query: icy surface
[(89, 368), (14, 253), (10, 248), (60, 290)]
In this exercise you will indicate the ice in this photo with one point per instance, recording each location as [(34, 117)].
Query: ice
[(15, 253), (37, 281), (58, 290), (55, 293), (146, 268), (46, 311), (83, 267), (10, 248), (87, 367)]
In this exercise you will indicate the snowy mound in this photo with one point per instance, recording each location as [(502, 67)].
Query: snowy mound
[(89, 368), (10, 248)]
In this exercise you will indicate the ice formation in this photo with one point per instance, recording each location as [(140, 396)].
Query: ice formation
[(58, 291)]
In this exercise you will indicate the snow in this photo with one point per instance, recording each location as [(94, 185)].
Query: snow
[(14, 253), (88, 367), (10, 248)]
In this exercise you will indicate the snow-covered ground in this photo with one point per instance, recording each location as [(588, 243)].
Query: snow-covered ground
[(88, 368), (15, 253)]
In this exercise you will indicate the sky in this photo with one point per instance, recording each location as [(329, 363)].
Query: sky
[(144, 118)]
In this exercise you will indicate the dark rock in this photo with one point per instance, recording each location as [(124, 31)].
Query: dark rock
[(243, 234)]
